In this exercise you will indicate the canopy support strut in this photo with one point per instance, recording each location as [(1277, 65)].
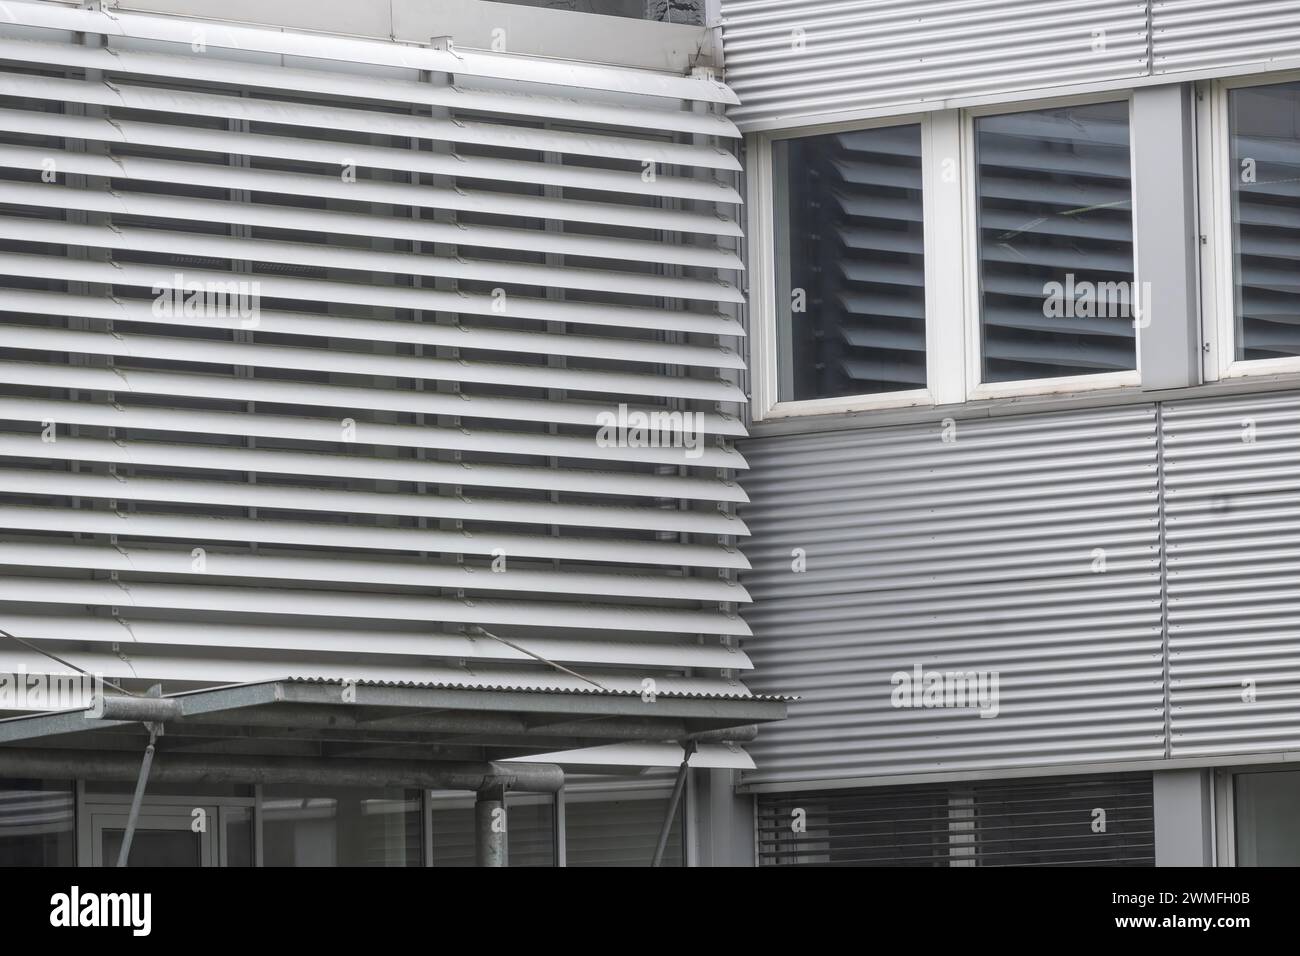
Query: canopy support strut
[(688, 749)]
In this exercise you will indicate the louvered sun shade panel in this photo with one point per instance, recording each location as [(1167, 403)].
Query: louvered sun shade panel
[(1056, 243), (1265, 171), (856, 322), (440, 271)]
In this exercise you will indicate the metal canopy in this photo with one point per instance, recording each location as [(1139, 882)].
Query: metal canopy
[(364, 732)]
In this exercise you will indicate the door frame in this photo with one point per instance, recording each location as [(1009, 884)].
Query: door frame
[(166, 812)]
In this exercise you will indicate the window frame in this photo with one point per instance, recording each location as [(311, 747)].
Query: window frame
[(942, 353), (1218, 286), (978, 389)]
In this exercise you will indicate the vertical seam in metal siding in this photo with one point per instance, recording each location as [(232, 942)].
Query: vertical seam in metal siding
[(1163, 550), (1151, 43)]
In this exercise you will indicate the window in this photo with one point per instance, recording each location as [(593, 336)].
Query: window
[(621, 830), (1054, 216), (340, 827), (1264, 147), (850, 307), (1266, 824), (1022, 822), (36, 823)]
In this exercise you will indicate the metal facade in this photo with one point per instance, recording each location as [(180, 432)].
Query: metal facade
[(791, 60), (1025, 545), (982, 554), (462, 259), (1233, 518)]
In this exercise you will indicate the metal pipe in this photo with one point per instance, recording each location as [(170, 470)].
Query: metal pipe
[(313, 716), (151, 709), (137, 799), (688, 749), (338, 772), (739, 734), (491, 844)]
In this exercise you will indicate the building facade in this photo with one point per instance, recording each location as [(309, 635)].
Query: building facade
[(1024, 379), (832, 432), (333, 339)]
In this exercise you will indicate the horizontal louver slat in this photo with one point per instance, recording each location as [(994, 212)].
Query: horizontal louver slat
[(480, 369)]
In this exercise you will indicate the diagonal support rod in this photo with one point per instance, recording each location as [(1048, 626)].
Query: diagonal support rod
[(138, 797), (688, 749)]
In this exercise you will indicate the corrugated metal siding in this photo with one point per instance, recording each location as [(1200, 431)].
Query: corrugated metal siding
[(791, 59), (1233, 519), (972, 555), (1047, 822), (525, 244), (1203, 34)]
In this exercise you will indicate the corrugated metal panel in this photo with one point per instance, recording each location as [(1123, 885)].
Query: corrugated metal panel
[(1047, 822), (1201, 34), (1234, 574), (465, 258), (977, 554), (792, 59)]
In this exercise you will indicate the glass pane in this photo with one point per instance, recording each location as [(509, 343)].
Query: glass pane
[(453, 829), (343, 828), (238, 836), (1265, 151), (851, 292), (530, 830), (36, 823), (620, 832), (1057, 292), (1267, 821), (155, 847)]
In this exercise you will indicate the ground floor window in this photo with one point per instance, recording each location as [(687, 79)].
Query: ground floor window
[(1102, 820), (315, 827), (596, 822), (1266, 807), (37, 820)]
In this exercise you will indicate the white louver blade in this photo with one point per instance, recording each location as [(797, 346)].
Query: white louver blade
[(320, 355)]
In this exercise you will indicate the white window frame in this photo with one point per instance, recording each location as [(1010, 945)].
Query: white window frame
[(974, 332), (1219, 269), (944, 341)]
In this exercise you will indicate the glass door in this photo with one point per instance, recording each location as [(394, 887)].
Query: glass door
[(164, 836)]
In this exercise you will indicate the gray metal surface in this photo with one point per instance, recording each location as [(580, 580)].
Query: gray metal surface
[(978, 554), (396, 473), (254, 727), (1198, 34), (1165, 228), (1233, 518), (792, 59)]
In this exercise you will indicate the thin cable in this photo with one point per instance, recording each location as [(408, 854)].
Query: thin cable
[(54, 657), (524, 650)]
